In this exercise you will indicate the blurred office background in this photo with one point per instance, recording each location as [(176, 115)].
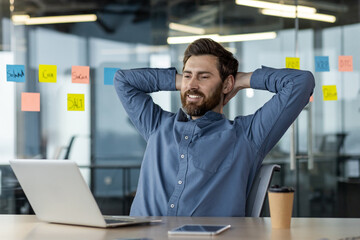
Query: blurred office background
[(319, 155)]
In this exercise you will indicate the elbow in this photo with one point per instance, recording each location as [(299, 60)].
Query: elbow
[(308, 82), (119, 78)]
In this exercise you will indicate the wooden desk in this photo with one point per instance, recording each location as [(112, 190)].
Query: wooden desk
[(27, 227)]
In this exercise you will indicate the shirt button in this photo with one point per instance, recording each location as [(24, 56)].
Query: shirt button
[(186, 137), (182, 156), (172, 205), (179, 182)]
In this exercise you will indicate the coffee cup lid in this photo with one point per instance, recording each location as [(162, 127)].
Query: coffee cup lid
[(283, 189)]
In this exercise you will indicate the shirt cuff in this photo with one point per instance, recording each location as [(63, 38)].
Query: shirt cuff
[(167, 79), (257, 80)]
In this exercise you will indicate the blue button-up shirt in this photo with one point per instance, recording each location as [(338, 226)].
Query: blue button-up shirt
[(205, 167)]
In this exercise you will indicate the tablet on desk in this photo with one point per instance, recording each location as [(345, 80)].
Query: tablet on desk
[(199, 230)]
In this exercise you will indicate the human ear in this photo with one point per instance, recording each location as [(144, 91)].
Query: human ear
[(228, 84)]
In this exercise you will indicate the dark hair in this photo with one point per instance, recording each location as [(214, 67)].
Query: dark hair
[(227, 64)]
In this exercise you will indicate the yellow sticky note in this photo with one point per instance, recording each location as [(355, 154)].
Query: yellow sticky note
[(47, 73), (76, 102), (30, 102), (329, 92), (80, 74), (293, 62), (345, 63)]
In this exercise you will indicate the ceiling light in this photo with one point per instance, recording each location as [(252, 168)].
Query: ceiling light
[(311, 16), (53, 19), (275, 6), (247, 37), (189, 39), (224, 38), (19, 19), (186, 28)]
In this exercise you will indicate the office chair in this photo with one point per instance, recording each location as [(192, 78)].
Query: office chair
[(257, 195)]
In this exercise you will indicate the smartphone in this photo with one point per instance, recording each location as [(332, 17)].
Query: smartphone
[(202, 230)]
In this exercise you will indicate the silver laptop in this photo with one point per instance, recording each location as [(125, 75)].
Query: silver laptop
[(58, 193)]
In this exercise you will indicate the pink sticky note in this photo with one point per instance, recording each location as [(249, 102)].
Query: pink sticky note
[(30, 102), (80, 74), (345, 63)]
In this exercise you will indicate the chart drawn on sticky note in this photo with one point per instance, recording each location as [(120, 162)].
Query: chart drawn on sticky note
[(109, 74), (329, 93), (345, 63), (293, 62), (80, 74), (47, 73), (322, 64), (15, 73), (76, 102), (30, 102)]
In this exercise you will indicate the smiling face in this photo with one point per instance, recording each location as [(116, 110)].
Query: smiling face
[(202, 87)]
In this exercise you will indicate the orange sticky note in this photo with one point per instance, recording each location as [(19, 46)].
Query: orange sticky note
[(30, 102), (329, 92), (80, 74), (311, 98), (293, 62), (76, 102), (47, 73), (345, 63)]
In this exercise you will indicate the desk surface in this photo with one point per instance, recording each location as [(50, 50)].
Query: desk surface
[(21, 227)]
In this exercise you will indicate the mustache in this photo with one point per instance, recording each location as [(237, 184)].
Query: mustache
[(194, 92)]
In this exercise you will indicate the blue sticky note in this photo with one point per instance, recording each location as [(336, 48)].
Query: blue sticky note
[(15, 73), (322, 64), (109, 74)]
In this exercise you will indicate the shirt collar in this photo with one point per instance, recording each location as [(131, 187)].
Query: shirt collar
[(208, 116)]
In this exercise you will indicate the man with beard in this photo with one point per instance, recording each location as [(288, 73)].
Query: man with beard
[(197, 162)]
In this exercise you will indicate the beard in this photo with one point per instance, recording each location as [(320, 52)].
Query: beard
[(207, 104)]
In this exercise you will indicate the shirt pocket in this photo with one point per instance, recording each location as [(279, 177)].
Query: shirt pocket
[(215, 152)]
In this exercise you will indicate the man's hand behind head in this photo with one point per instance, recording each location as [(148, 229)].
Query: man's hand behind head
[(242, 80)]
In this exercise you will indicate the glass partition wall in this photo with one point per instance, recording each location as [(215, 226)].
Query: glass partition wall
[(319, 154)]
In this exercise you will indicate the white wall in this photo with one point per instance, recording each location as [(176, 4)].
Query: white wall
[(7, 108)]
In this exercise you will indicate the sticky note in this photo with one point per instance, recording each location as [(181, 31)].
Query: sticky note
[(322, 64), (80, 74), (47, 73), (30, 102), (345, 63), (293, 62), (15, 73), (329, 92), (109, 74), (76, 102)]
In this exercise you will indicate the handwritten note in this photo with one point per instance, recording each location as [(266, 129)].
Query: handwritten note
[(30, 102), (345, 63), (15, 73), (293, 62), (76, 102), (109, 74), (47, 73), (329, 92), (322, 64), (80, 74)]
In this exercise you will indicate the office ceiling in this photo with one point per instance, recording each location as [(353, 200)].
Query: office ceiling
[(215, 16)]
